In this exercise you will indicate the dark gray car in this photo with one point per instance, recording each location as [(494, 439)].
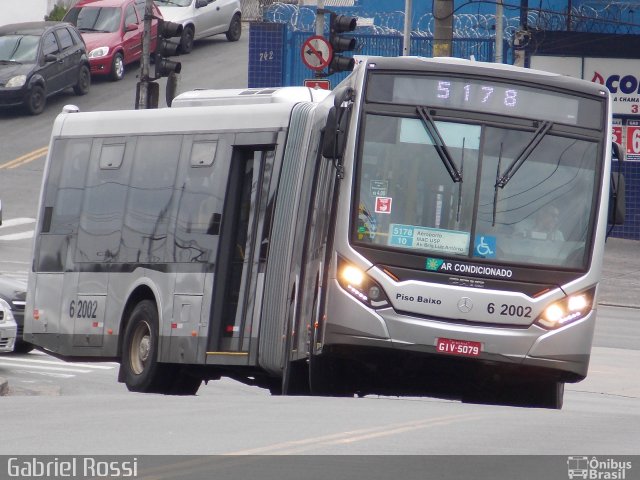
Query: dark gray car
[(39, 59)]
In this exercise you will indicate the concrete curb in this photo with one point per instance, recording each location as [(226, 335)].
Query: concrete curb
[(4, 386)]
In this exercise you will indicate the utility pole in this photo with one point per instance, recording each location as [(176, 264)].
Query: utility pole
[(320, 18), (443, 32), (406, 49), (499, 32), (143, 90), (522, 36)]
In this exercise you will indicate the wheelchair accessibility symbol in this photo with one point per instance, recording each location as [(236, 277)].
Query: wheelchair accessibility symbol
[(485, 246)]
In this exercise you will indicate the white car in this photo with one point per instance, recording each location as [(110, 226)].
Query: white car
[(8, 328), (203, 18)]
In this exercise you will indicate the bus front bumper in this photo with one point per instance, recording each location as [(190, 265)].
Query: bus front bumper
[(563, 352)]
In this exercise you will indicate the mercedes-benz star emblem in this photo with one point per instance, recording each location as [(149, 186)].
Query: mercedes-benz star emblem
[(465, 304)]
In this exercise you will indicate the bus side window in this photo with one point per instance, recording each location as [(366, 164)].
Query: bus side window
[(202, 184), (104, 200), (63, 197), (150, 197), (66, 209)]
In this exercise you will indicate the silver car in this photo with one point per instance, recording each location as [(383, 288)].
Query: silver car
[(203, 18), (8, 328)]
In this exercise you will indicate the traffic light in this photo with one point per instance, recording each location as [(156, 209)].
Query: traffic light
[(164, 66), (165, 47), (340, 24)]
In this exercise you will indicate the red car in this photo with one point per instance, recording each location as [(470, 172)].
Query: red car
[(112, 31)]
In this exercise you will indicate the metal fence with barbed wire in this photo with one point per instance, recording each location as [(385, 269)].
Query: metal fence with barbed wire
[(610, 17)]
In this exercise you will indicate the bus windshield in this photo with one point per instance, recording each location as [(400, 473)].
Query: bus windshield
[(539, 215)]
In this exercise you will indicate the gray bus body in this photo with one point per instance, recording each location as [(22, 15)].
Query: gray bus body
[(214, 238)]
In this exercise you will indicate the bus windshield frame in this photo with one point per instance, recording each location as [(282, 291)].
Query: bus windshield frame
[(528, 198)]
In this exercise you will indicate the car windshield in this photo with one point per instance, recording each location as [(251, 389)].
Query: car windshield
[(95, 19), (174, 3), (19, 48)]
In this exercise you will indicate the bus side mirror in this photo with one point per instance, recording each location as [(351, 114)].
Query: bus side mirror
[(334, 138), (335, 130), (617, 152), (616, 199), (616, 190)]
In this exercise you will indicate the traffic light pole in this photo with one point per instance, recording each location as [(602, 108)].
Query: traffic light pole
[(142, 97)]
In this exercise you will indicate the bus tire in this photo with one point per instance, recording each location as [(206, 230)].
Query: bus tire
[(184, 384), (327, 377), (295, 378), (140, 370), (548, 394)]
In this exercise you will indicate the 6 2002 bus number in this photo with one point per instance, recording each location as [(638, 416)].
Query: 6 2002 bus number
[(507, 310), (83, 309)]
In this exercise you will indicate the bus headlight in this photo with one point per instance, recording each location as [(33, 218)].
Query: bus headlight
[(569, 309), (361, 286)]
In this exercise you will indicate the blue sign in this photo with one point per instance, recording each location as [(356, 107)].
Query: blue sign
[(484, 246)]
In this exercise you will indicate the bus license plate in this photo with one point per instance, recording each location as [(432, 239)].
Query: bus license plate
[(458, 347)]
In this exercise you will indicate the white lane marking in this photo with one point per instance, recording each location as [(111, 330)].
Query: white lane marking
[(61, 363), (17, 236), (14, 222), (20, 366), (51, 374)]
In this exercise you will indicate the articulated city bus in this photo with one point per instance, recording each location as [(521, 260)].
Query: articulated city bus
[(431, 225)]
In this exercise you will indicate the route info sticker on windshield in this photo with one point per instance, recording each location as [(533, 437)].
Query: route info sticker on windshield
[(434, 239)]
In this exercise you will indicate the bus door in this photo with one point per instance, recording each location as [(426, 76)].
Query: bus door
[(200, 188), (239, 272)]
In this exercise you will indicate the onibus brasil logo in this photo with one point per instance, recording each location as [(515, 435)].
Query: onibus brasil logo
[(597, 469)]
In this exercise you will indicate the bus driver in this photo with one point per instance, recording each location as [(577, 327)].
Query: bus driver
[(543, 225)]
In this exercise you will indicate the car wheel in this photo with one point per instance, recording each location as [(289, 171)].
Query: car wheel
[(117, 67), (23, 347), (84, 81), (235, 29), (186, 41), (36, 100)]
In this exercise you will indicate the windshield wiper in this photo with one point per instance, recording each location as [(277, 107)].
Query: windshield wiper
[(5, 62), (524, 154), (495, 190), (460, 185), (439, 145)]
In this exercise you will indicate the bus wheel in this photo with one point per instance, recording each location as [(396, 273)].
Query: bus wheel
[(327, 377), (549, 394), (184, 384), (295, 378), (141, 371)]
